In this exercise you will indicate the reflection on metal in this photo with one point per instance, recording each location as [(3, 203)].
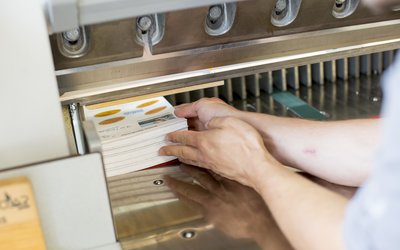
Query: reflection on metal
[(220, 19), (149, 217), (344, 8), (285, 12), (74, 43), (150, 30)]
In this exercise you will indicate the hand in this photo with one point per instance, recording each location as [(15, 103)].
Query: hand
[(199, 113), (236, 210), (229, 147)]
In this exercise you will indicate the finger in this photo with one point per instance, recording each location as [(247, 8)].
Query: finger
[(186, 110), (190, 191), (189, 110), (185, 152), (189, 138), (203, 177)]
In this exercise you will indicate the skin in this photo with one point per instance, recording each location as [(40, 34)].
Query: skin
[(311, 146)]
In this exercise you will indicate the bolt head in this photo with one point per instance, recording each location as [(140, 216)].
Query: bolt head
[(188, 234), (215, 12), (280, 5), (145, 23), (158, 182), (72, 35)]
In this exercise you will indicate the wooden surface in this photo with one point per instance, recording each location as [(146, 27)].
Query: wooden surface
[(19, 221)]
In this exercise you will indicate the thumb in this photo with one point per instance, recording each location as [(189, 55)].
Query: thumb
[(186, 110)]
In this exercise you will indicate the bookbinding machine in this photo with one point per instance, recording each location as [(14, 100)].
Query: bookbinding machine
[(305, 58)]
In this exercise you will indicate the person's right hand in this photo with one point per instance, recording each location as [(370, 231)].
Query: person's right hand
[(199, 113)]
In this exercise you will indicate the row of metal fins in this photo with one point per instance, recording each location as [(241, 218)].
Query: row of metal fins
[(307, 75)]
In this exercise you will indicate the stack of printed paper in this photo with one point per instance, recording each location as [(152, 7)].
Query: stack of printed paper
[(132, 133)]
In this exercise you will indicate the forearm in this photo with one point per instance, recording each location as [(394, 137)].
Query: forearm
[(340, 152), (309, 215)]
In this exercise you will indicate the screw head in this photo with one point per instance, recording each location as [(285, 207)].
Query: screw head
[(280, 5), (188, 234), (158, 182), (215, 12), (145, 23), (72, 35)]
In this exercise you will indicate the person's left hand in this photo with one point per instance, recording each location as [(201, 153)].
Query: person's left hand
[(229, 147)]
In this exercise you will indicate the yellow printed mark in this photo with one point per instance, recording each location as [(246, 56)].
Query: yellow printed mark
[(156, 110), (146, 104), (108, 112), (112, 120)]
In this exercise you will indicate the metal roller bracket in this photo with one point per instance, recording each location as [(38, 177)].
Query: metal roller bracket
[(285, 12), (73, 43), (344, 8), (220, 18), (150, 30)]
